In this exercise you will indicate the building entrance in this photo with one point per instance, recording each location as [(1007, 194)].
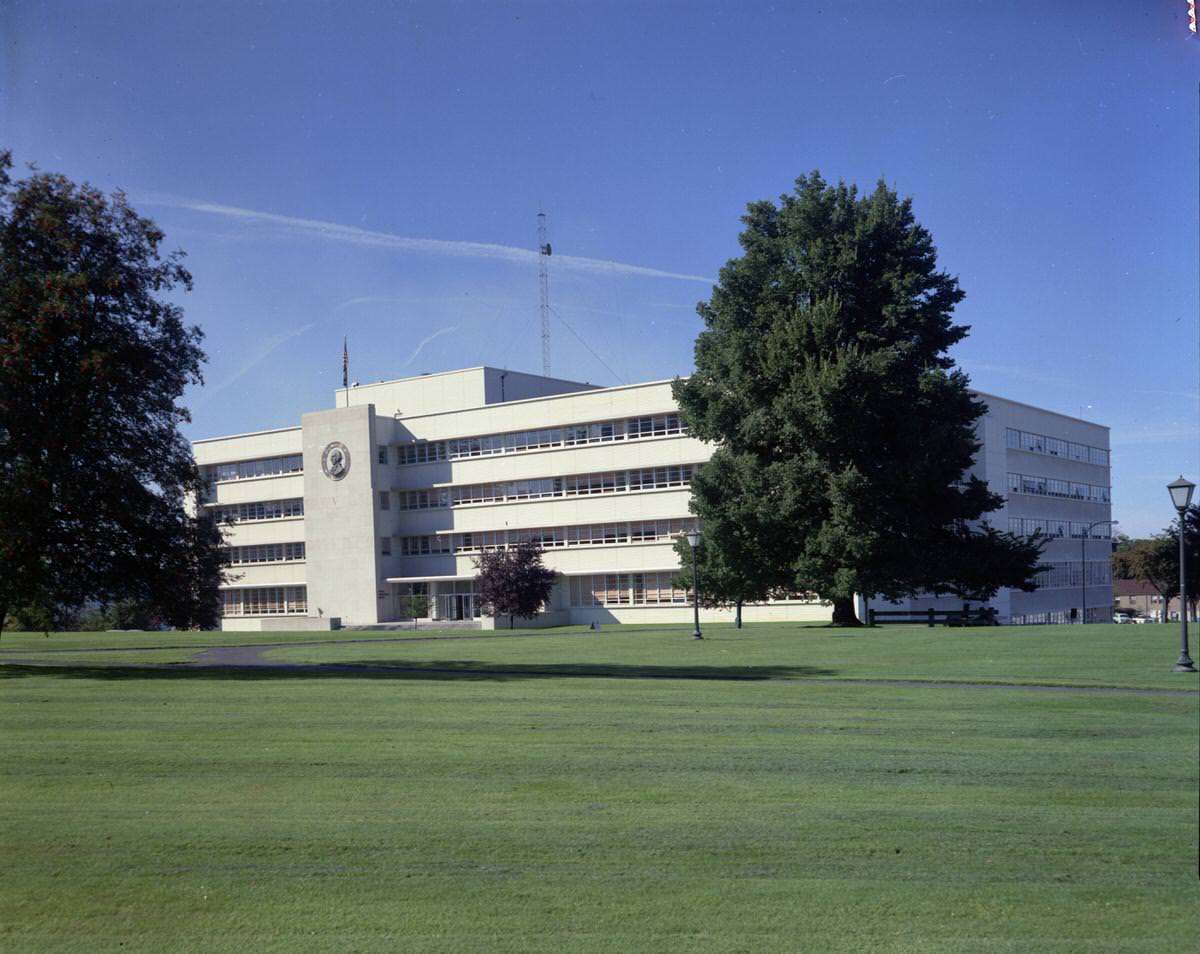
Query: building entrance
[(456, 606)]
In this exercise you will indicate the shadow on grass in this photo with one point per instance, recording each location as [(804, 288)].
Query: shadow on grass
[(456, 669)]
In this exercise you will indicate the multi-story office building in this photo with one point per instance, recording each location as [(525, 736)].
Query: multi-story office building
[(1053, 473), (398, 488)]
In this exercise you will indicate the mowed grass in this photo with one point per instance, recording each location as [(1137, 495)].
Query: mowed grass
[(620, 791)]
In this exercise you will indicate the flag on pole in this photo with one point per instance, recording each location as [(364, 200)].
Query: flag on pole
[(345, 364)]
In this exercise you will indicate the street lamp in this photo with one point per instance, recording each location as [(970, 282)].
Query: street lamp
[(1083, 539), (693, 539), (1181, 497)]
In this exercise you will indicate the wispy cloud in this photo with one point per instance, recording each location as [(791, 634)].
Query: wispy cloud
[(350, 234), (437, 334), (264, 351)]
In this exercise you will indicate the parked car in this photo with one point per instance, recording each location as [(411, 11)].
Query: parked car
[(1122, 618), (1142, 619)]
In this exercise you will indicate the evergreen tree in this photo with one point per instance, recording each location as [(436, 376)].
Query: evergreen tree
[(823, 378), (94, 474)]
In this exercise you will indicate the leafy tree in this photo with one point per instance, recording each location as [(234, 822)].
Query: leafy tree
[(822, 377), (414, 606), (94, 356), (513, 582), (1155, 561), (730, 555), (975, 559)]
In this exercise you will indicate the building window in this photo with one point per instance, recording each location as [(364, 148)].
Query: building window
[(385, 500), (383, 453), (265, 553), (385, 546), (600, 534), (261, 467), (655, 425), (1055, 447), (1051, 487), (1053, 527), (265, 601), (574, 485), (259, 510)]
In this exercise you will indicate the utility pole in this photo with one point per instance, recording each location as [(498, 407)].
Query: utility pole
[(544, 284)]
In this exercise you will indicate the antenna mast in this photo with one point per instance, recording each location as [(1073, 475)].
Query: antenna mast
[(544, 284)]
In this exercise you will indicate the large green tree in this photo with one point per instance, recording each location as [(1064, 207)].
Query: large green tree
[(735, 546), (1155, 560), (822, 375), (95, 476)]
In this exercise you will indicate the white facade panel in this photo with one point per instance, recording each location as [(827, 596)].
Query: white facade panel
[(247, 446), (290, 530), (266, 574)]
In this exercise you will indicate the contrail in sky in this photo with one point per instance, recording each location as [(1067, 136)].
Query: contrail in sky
[(332, 231), (441, 331)]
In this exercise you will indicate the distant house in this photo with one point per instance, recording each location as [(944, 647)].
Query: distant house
[(1134, 596)]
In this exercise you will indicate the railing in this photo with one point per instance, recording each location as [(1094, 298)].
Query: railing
[(982, 616)]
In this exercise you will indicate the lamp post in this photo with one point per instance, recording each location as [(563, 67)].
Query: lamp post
[(1181, 496), (1083, 539), (693, 539)]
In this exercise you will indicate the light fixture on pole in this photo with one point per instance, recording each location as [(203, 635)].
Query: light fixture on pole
[(693, 539), (1083, 539), (1181, 496)]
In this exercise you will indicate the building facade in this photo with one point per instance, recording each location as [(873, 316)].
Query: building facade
[(1053, 474), (398, 488)]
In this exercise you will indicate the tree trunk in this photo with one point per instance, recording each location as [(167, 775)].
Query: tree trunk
[(843, 612), (3, 618), (738, 618)]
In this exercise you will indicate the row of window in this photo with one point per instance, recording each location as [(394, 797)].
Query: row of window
[(262, 467), (1095, 614), (641, 531), (265, 601), (1055, 447), (264, 553), (575, 485), (1052, 487), (1075, 529), (656, 425), (1060, 575), (259, 510), (625, 589)]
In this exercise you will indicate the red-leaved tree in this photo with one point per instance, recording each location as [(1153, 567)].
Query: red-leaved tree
[(513, 582)]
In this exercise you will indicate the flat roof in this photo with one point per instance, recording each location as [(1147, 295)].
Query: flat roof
[(1034, 407), (230, 437), (592, 389), (478, 367)]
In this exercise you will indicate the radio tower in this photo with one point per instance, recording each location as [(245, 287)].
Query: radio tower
[(544, 284)]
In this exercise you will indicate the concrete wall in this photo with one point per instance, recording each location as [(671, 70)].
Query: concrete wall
[(341, 518), (451, 391)]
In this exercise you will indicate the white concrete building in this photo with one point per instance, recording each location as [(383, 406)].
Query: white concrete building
[(397, 489), (1053, 473)]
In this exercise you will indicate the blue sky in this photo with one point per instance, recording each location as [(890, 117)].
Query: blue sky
[(374, 170)]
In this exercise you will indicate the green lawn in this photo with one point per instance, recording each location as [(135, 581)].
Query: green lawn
[(629, 790)]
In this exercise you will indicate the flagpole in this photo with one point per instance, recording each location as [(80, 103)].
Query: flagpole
[(346, 369)]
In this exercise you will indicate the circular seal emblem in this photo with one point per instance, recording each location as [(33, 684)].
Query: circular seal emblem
[(335, 460)]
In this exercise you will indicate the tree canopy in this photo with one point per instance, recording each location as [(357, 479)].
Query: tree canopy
[(95, 476), (844, 432), (514, 582), (1155, 560)]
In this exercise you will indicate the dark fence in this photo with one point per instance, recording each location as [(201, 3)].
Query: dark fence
[(982, 616)]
